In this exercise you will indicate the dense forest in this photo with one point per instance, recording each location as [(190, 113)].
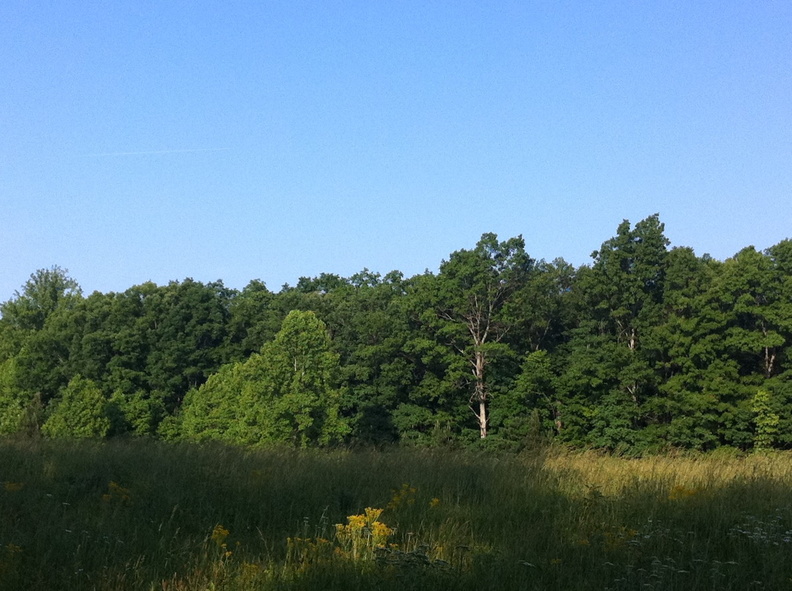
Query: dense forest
[(646, 349)]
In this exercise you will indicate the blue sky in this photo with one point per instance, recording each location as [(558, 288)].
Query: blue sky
[(240, 140)]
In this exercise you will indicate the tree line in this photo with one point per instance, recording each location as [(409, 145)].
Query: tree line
[(647, 348)]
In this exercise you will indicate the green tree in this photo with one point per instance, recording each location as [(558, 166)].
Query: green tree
[(740, 333), (214, 410), (543, 310), (140, 413), (748, 292), (42, 294), (369, 326), (684, 414), (468, 307), (766, 420), (529, 410), (287, 393), (12, 400), (434, 408), (609, 380), (43, 360), (80, 413), (301, 372), (33, 330), (183, 330), (626, 284), (253, 320)]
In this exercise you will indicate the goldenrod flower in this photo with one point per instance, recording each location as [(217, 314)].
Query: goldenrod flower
[(372, 514), (363, 533), (403, 496), (219, 535)]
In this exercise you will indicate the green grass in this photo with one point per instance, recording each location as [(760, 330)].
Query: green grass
[(139, 514)]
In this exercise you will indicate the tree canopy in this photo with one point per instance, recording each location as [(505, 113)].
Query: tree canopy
[(649, 347)]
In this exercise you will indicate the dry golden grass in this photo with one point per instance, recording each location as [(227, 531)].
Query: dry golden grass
[(577, 471)]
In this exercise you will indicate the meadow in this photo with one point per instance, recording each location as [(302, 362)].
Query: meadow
[(139, 514)]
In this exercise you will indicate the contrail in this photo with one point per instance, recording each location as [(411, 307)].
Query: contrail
[(148, 152)]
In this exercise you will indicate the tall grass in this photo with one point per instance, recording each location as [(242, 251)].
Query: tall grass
[(146, 515)]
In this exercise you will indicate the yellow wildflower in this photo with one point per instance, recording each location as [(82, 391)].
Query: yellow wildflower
[(372, 514), (219, 535), (402, 496), (363, 533), (13, 486), (380, 532)]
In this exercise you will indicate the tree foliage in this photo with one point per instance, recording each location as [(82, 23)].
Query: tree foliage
[(287, 393), (647, 348), (80, 413)]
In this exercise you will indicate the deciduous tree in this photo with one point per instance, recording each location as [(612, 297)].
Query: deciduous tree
[(468, 304)]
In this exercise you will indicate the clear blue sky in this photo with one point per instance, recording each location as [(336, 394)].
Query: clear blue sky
[(158, 140)]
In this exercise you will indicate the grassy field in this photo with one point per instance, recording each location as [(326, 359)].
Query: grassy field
[(145, 515)]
